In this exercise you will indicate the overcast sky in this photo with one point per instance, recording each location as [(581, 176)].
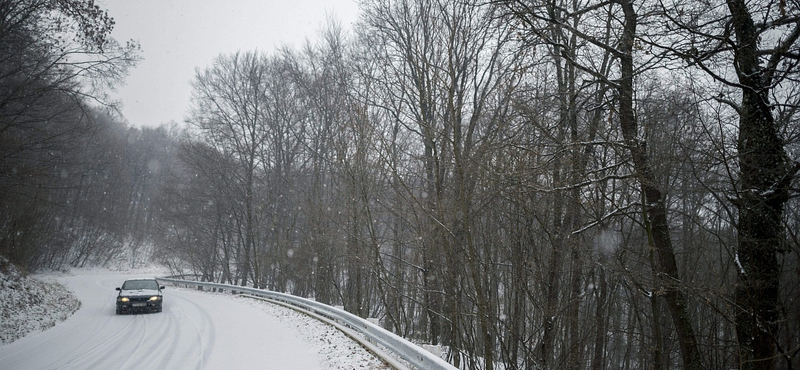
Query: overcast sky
[(178, 36)]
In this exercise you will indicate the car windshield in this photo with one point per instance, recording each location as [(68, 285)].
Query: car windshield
[(140, 284)]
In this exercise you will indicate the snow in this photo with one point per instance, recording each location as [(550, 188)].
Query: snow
[(30, 305), (739, 263), (196, 330), (336, 350), (607, 242)]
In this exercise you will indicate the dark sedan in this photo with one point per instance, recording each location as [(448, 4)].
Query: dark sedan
[(140, 295)]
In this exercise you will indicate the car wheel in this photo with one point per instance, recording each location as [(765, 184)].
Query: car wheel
[(119, 311)]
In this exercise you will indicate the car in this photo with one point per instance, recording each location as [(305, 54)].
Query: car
[(140, 295)]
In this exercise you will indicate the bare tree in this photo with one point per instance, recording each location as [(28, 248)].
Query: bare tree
[(229, 111), (539, 17), (760, 41), (47, 48)]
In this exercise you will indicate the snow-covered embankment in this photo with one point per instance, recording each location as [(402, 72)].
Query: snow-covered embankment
[(28, 304)]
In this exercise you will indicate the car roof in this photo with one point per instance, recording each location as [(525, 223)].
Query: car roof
[(140, 279)]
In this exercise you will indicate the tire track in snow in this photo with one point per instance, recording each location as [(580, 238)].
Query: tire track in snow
[(205, 334), (141, 333), (93, 353), (94, 358), (172, 354)]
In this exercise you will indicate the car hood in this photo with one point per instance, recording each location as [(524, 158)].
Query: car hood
[(134, 292)]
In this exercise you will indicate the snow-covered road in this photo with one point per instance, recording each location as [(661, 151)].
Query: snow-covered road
[(196, 330)]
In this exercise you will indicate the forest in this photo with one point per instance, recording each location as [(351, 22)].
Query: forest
[(564, 184)]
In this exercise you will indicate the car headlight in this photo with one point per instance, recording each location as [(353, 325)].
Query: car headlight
[(124, 299), (155, 298)]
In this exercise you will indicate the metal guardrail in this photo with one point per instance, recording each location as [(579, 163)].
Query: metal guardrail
[(409, 352)]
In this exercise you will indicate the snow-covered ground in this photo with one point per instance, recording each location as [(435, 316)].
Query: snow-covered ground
[(335, 349), (196, 330), (29, 305)]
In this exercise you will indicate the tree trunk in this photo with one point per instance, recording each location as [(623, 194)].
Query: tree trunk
[(654, 201), (600, 320), (765, 175)]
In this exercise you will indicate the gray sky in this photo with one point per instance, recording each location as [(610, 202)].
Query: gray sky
[(178, 36)]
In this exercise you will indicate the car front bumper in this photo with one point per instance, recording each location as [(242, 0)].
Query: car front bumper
[(139, 305)]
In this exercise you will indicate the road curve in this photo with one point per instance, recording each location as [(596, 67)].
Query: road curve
[(195, 331)]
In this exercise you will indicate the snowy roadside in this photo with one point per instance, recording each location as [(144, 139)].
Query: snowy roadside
[(337, 350), (28, 304)]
